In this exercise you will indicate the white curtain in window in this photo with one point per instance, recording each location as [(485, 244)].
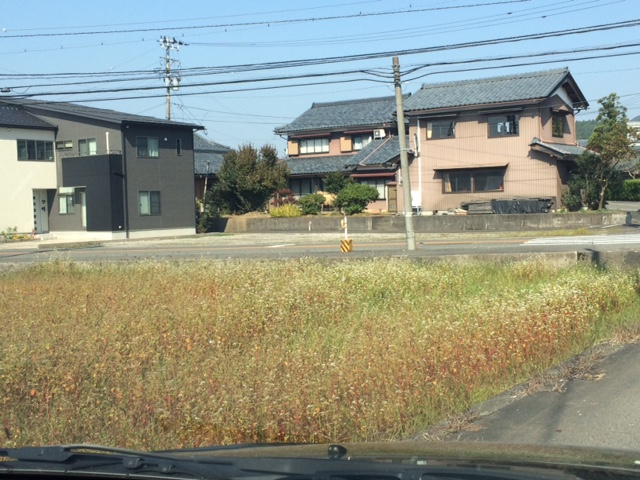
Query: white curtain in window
[(144, 203), (152, 145)]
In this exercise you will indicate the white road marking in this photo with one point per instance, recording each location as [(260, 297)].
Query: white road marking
[(586, 240)]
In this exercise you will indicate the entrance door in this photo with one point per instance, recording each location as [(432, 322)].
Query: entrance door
[(392, 196), (40, 211)]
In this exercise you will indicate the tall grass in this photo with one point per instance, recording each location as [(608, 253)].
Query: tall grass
[(169, 355)]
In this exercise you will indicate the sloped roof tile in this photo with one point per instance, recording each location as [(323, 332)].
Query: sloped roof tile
[(317, 165), (208, 155), (17, 117), (102, 114), (522, 87), (557, 149), (345, 114), (378, 152)]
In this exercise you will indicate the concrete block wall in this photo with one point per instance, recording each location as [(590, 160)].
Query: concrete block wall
[(423, 224)]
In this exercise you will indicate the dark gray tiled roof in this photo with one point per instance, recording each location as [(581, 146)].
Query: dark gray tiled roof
[(317, 165), (96, 113), (378, 152), (559, 148), (208, 155), (14, 116), (488, 91), (368, 112)]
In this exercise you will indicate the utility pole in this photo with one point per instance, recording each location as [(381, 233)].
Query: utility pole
[(171, 82), (404, 161)]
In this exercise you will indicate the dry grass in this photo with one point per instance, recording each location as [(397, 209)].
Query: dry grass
[(168, 355)]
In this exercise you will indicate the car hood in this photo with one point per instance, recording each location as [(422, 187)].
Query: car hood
[(457, 452)]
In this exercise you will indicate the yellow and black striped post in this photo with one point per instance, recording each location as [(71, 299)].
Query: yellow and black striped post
[(346, 245)]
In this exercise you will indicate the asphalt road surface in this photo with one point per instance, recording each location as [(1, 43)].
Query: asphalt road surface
[(599, 408), (322, 245)]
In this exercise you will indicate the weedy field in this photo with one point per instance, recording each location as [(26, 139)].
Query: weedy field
[(168, 355)]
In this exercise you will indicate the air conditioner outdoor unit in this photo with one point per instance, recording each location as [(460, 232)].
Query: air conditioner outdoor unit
[(379, 133)]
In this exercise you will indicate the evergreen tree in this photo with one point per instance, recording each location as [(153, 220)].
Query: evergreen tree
[(612, 140), (596, 171), (248, 178)]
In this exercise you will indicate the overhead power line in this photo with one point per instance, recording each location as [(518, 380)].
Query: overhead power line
[(262, 22), (208, 71), (306, 84)]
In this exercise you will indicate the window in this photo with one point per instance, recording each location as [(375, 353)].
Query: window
[(178, 146), (67, 201), (149, 202), (87, 146), (301, 186), (503, 125), (361, 141), (147, 146), (441, 129), (377, 183), (64, 145), (314, 145), (470, 181), (557, 125), (35, 150)]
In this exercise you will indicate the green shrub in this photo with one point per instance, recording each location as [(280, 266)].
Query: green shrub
[(355, 197), (285, 211), (206, 213), (336, 181), (630, 191), (311, 204), (9, 233)]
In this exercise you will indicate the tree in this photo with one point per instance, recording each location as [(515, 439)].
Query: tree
[(336, 181), (612, 139), (248, 178), (355, 197), (585, 187)]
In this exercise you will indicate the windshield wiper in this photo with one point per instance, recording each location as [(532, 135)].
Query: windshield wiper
[(96, 459)]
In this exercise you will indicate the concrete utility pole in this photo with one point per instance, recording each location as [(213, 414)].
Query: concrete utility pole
[(170, 82), (404, 161)]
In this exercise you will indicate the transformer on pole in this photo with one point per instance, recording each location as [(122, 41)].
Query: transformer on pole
[(171, 81)]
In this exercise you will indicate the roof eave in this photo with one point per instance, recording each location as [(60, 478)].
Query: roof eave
[(579, 101), (29, 127), (552, 152), (319, 131), (476, 107), (160, 123)]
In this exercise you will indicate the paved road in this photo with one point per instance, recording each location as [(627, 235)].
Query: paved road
[(600, 409), (323, 245)]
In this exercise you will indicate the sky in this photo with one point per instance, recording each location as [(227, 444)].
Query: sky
[(246, 68)]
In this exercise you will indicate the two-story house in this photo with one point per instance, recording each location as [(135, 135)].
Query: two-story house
[(493, 138), (27, 170), (95, 173), (208, 156), (355, 137)]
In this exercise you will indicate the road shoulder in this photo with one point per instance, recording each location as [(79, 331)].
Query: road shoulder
[(588, 401)]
